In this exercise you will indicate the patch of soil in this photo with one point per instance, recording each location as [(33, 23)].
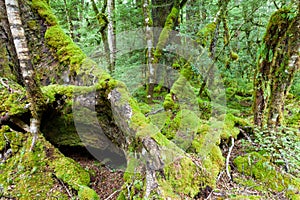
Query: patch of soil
[(106, 182)]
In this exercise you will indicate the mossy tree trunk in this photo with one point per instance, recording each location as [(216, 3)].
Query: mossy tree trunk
[(103, 23), (9, 65), (221, 16), (278, 61), (170, 23)]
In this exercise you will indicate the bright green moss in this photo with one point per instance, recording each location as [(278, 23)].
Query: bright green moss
[(261, 169), (205, 33), (169, 103), (13, 103), (71, 172), (234, 55), (26, 175), (14, 139), (44, 11), (66, 51), (86, 193), (181, 180)]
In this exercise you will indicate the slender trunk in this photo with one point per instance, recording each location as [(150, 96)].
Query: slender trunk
[(213, 43), (149, 38), (111, 32), (103, 22), (70, 24), (34, 93), (9, 64)]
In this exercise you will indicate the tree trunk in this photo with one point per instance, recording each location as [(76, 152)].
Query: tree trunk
[(103, 22), (150, 42), (70, 23), (284, 66), (277, 64), (34, 93), (111, 32), (169, 25)]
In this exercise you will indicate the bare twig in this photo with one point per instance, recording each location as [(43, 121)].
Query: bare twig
[(112, 194), (20, 124), (66, 188), (246, 136), (208, 197), (154, 112), (228, 157)]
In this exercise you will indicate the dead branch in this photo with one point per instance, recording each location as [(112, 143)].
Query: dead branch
[(228, 157)]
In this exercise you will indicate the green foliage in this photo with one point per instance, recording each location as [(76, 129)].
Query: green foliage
[(281, 146), (260, 168), (295, 89)]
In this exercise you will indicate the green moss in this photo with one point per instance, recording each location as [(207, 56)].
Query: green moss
[(5, 70), (182, 128), (13, 138), (33, 25), (61, 130), (181, 180), (26, 175), (44, 11), (12, 102), (234, 55), (164, 35), (86, 193), (71, 172), (242, 197), (259, 167), (205, 33), (66, 51), (169, 103), (145, 108)]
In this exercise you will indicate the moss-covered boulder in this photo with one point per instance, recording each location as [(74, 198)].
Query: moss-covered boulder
[(261, 169), (37, 174)]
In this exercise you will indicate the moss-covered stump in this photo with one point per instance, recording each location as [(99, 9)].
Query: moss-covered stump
[(39, 173), (261, 169)]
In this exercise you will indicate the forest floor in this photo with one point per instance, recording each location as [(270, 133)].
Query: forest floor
[(107, 183), (231, 189)]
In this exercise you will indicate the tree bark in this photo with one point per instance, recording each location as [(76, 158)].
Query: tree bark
[(103, 22), (111, 33), (284, 66), (150, 44), (169, 25), (277, 64), (34, 92)]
